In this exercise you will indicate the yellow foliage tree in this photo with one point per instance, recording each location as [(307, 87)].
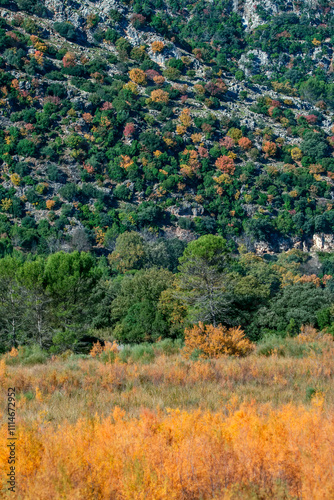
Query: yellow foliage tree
[(196, 137), (6, 203), (126, 161), (160, 95), (296, 154), (137, 75), (16, 179), (181, 129), (157, 46)]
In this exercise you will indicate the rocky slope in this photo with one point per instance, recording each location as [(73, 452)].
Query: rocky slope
[(127, 116)]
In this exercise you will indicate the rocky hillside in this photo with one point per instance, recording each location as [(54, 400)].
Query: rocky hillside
[(174, 118)]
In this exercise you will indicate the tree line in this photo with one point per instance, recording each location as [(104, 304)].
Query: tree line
[(152, 288)]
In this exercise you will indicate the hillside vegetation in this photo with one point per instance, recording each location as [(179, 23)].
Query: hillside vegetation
[(180, 118), (167, 249)]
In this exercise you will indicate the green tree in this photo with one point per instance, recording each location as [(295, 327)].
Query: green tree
[(295, 305), (129, 252), (12, 317), (31, 277), (70, 281), (202, 279), (135, 313)]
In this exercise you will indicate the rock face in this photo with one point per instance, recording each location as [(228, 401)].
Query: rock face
[(323, 243), (320, 242), (253, 62), (187, 209), (250, 10)]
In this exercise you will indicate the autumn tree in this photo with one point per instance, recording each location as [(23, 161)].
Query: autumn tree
[(245, 143), (69, 60), (296, 154), (225, 164), (157, 46), (138, 76), (160, 96), (129, 129), (269, 148)]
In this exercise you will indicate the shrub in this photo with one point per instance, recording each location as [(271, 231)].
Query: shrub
[(26, 148), (159, 96), (225, 164), (27, 355), (213, 342), (157, 46), (66, 30), (138, 20), (138, 76), (245, 143), (111, 35), (172, 73)]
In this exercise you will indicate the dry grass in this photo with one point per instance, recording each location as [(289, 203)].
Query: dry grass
[(256, 427)]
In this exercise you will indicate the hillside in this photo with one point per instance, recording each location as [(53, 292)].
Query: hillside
[(172, 118)]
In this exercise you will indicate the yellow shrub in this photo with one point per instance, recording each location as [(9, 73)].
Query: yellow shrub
[(157, 46), (50, 204), (213, 342), (137, 75), (159, 96), (16, 179)]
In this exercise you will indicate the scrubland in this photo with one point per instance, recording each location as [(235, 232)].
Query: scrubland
[(148, 423)]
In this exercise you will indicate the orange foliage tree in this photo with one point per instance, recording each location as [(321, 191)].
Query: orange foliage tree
[(213, 342), (137, 75), (245, 143), (160, 95), (157, 46), (225, 164), (269, 148), (159, 79)]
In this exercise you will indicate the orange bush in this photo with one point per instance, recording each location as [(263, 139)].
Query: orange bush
[(50, 204), (213, 342), (285, 453), (126, 161), (87, 117), (269, 148), (157, 46), (159, 96), (225, 164), (137, 75), (245, 143)]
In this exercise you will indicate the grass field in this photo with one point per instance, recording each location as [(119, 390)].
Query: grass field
[(149, 424)]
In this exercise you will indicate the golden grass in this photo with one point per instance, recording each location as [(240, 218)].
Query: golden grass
[(255, 428)]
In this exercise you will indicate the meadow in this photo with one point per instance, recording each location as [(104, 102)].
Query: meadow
[(148, 423)]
